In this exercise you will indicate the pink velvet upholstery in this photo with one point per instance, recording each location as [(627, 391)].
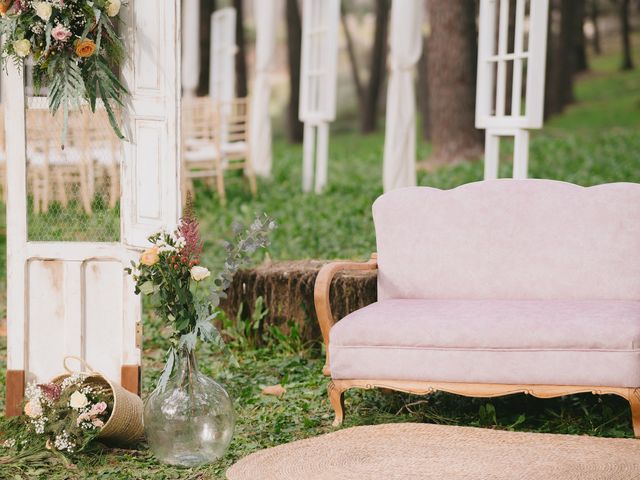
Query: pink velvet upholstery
[(503, 281), (510, 239), (554, 342)]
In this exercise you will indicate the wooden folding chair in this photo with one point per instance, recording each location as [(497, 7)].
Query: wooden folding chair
[(215, 139), (235, 148), (200, 145)]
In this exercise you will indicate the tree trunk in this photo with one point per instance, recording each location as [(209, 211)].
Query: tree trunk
[(566, 51), (295, 128), (625, 32), (353, 57), (207, 8), (241, 57), (582, 64), (551, 101), (423, 91), (594, 13), (451, 64), (377, 70)]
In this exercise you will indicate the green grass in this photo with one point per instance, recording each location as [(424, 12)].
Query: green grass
[(594, 141), (264, 421)]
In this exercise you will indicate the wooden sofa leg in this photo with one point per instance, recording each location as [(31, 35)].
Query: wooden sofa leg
[(634, 400), (336, 397)]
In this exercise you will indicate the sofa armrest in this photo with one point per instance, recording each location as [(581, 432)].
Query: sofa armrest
[(322, 290)]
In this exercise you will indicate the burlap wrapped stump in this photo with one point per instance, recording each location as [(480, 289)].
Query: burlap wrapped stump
[(423, 451), (124, 426)]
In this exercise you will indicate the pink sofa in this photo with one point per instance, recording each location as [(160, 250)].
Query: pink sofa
[(494, 288)]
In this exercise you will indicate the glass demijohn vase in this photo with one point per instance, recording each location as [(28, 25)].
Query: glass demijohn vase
[(189, 422)]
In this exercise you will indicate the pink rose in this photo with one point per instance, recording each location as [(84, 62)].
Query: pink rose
[(97, 423), (98, 408), (82, 418), (60, 33)]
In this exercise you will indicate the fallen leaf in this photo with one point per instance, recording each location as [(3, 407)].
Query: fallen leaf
[(276, 390)]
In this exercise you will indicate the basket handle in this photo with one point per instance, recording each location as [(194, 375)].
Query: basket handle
[(85, 367)]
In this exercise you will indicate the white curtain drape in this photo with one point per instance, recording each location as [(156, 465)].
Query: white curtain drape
[(266, 17), (405, 44), (190, 46)]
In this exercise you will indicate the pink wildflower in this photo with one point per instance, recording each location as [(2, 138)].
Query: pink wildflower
[(51, 391), (190, 230)]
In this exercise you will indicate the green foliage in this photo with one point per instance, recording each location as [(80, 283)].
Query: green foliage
[(66, 87), (75, 48)]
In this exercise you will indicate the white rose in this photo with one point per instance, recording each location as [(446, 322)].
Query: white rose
[(22, 47), (78, 400), (43, 10), (199, 273), (113, 7), (33, 409)]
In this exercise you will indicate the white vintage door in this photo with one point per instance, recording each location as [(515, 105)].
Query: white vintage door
[(74, 298), (504, 111), (318, 80)]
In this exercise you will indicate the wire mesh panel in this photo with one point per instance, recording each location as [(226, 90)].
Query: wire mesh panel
[(73, 179)]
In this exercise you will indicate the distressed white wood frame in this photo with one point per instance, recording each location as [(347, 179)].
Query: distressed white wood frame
[(318, 86), (150, 171), (520, 152), (74, 298), (223, 55), (529, 63)]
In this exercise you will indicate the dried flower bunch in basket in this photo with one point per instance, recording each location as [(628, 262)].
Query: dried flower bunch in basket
[(72, 410), (75, 49)]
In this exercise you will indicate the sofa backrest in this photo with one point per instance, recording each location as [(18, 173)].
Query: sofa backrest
[(510, 239)]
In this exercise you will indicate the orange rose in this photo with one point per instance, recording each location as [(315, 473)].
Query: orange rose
[(150, 257), (85, 48), (4, 6)]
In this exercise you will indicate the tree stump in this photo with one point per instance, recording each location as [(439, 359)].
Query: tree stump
[(287, 291)]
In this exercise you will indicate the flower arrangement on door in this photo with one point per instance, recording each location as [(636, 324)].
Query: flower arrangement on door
[(75, 48)]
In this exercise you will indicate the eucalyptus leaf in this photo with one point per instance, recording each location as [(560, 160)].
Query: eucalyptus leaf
[(147, 288), (168, 369)]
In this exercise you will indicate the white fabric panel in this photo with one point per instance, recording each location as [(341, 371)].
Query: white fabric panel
[(190, 46), (266, 15), (223, 55), (405, 48)]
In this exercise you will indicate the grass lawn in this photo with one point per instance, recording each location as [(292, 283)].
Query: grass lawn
[(594, 141)]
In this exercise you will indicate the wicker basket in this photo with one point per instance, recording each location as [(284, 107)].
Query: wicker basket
[(124, 426)]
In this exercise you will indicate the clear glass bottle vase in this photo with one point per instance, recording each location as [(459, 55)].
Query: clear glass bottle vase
[(191, 421)]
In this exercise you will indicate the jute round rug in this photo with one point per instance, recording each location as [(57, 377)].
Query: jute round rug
[(423, 451)]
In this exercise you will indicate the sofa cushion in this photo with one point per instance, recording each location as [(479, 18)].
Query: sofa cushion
[(554, 342), (510, 239)]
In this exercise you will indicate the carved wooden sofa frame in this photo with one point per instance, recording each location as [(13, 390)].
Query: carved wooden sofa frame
[(336, 388)]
